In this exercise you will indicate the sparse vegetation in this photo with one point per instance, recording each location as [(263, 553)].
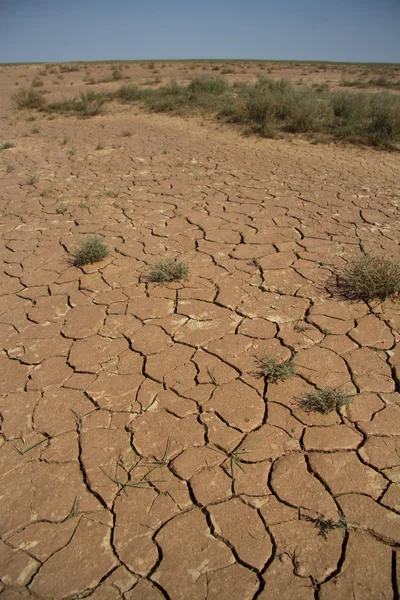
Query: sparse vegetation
[(68, 67), (370, 277), (116, 74), (325, 525), (267, 107), (28, 98), (87, 104), (168, 269), (90, 250), (324, 400), (32, 179), (274, 370), (6, 145), (61, 208)]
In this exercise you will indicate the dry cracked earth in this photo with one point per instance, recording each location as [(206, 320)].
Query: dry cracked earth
[(142, 457)]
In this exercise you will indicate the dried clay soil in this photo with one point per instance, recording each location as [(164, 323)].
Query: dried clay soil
[(141, 457)]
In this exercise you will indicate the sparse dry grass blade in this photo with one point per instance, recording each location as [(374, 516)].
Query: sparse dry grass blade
[(23, 451), (370, 278), (168, 269), (91, 250)]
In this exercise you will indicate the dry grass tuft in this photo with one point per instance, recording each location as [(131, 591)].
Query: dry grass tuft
[(324, 400), (168, 269), (369, 278)]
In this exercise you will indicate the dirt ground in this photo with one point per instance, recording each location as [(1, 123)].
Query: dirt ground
[(141, 455)]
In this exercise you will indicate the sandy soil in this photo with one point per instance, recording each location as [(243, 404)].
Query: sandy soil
[(141, 456)]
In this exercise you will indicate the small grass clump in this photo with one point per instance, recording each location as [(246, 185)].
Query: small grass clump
[(61, 208), (324, 400), (369, 278), (325, 525), (91, 250), (87, 104), (168, 269), (274, 370), (7, 145), (32, 179), (28, 98)]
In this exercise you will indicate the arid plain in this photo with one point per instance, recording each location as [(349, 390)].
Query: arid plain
[(143, 456)]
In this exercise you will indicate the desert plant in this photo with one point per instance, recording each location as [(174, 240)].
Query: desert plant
[(370, 277), (274, 370), (28, 98), (90, 250), (325, 525), (61, 208), (208, 85), (87, 104), (116, 74), (32, 179), (324, 400), (68, 68), (7, 145), (35, 130), (168, 269)]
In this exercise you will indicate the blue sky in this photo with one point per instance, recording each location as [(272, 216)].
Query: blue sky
[(67, 30)]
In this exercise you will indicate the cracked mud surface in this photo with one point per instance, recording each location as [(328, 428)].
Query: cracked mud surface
[(129, 399)]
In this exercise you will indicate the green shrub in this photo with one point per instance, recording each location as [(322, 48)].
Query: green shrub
[(90, 250)]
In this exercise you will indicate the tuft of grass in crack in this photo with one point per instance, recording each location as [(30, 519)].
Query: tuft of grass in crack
[(325, 525), (274, 370), (129, 480), (324, 400), (234, 458), (73, 512), (46, 192), (7, 145), (90, 250), (168, 269), (10, 168), (212, 376), (23, 451), (369, 278), (32, 179)]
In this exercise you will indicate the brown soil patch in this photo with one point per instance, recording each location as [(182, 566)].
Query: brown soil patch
[(141, 455)]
